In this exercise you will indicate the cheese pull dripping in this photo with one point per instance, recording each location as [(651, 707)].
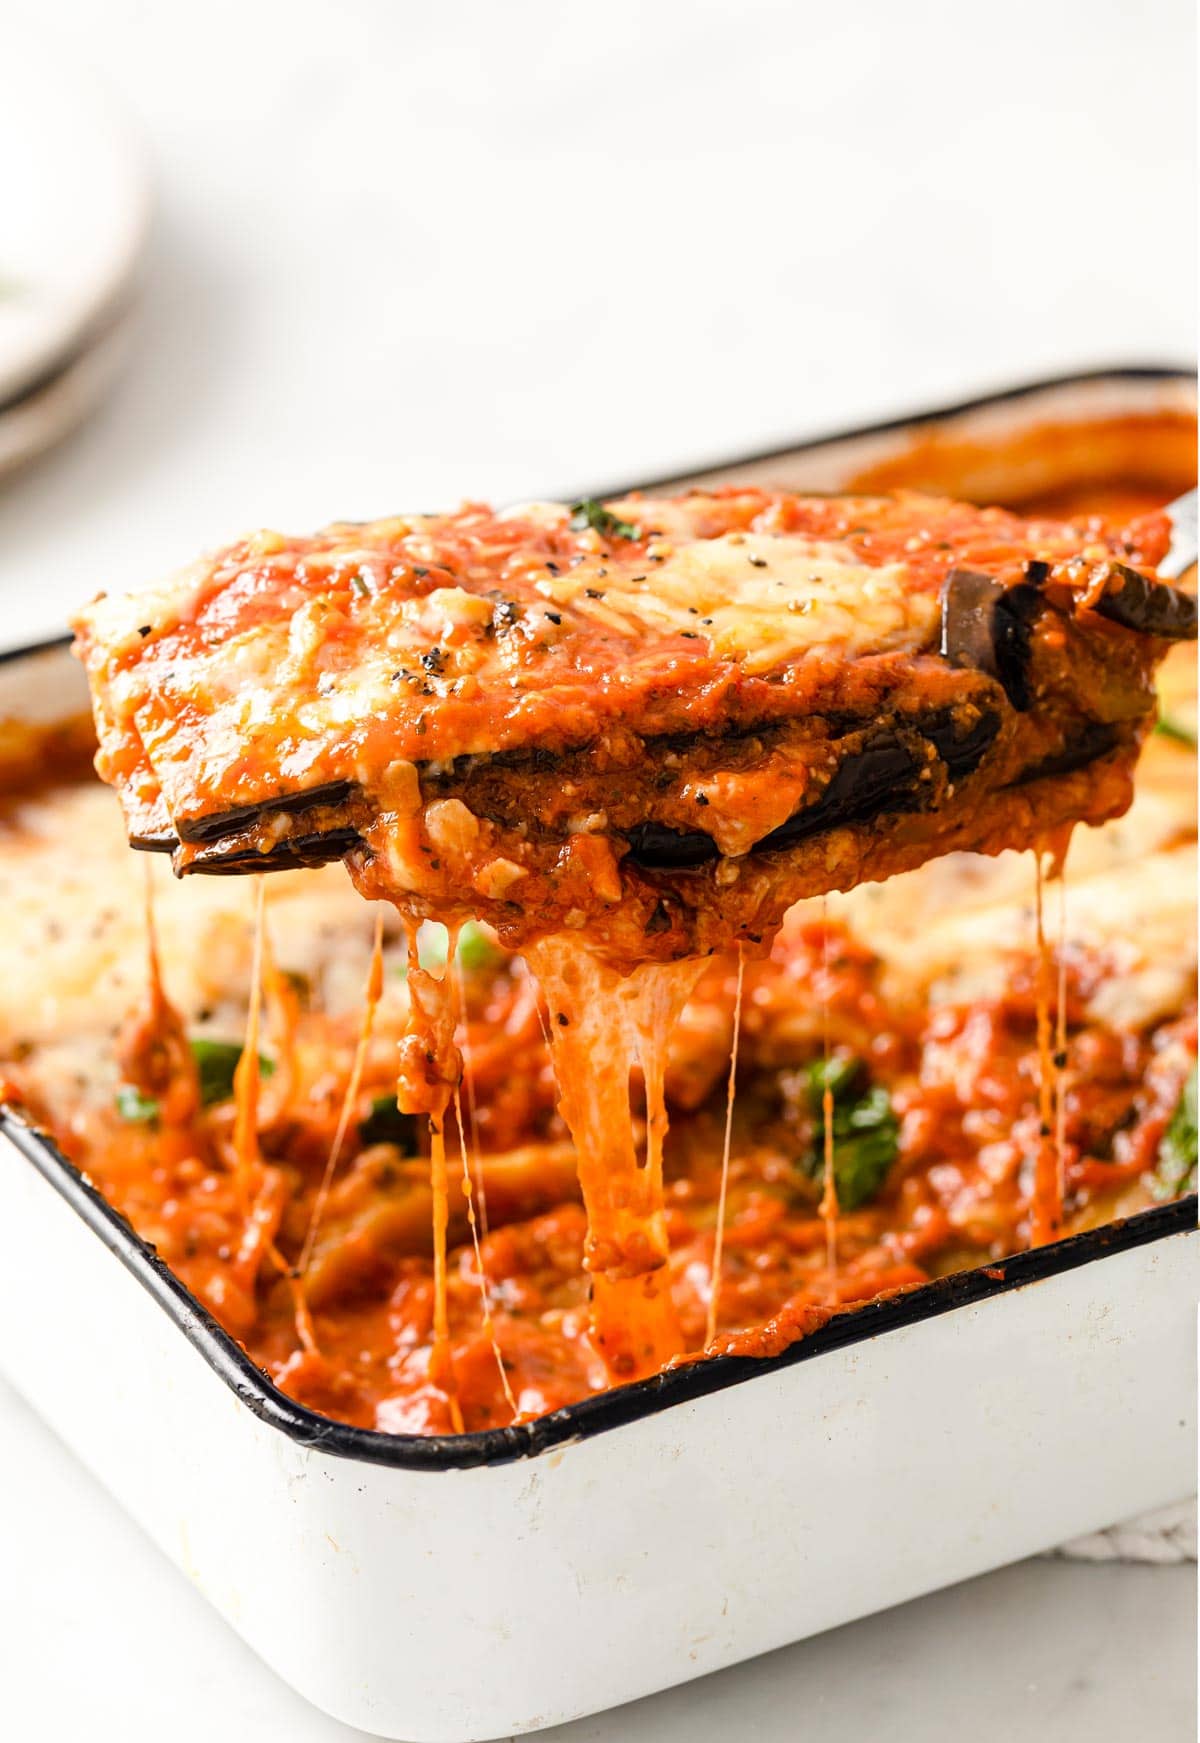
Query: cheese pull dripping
[(430, 1069), (829, 1192), (152, 1046), (1048, 1194), (714, 1288), (374, 992), (247, 1160), (600, 1024)]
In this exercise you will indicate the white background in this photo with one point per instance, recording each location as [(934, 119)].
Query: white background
[(412, 252), (407, 253)]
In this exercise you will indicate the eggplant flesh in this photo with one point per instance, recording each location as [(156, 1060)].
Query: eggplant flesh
[(866, 786), (1093, 742), (969, 620), (885, 776)]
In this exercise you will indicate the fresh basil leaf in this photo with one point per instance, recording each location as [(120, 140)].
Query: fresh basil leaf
[(216, 1063), (866, 1132), (866, 1147), (590, 513), (386, 1124), (837, 1074), (1175, 1172), (132, 1105)]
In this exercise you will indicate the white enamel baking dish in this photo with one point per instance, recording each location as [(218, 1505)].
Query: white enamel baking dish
[(479, 1586)]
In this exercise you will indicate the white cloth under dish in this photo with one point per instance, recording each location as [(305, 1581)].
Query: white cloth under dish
[(1167, 1535)]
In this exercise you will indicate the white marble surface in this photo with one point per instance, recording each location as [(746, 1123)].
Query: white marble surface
[(406, 253)]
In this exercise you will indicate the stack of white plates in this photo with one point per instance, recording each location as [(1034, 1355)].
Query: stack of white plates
[(72, 239)]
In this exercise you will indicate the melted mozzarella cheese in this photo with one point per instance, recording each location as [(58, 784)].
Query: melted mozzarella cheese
[(762, 600)]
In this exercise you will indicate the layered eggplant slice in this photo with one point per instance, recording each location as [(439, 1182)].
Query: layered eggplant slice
[(659, 721)]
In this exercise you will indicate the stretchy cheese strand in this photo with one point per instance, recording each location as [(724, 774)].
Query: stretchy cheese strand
[(247, 1160), (829, 1196), (1060, 1043), (714, 1292), (476, 1167), (599, 1022), (350, 1098), (1046, 1206), (485, 1293)]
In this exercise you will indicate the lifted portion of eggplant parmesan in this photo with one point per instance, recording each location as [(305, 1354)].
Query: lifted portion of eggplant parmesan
[(659, 722)]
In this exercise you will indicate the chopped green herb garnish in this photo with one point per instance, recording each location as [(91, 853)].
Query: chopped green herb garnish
[(386, 1124), (216, 1062), (835, 1074), (866, 1133), (1175, 1172), (590, 513), (1178, 731), (132, 1105)]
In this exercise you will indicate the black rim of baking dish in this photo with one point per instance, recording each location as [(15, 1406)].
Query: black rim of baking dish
[(595, 1415), (690, 1381)]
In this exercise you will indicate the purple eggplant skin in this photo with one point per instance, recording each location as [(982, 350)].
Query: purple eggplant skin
[(218, 824), (658, 847), (885, 777), (1150, 607), (969, 600), (962, 753), (302, 851), (1095, 740), (878, 778), (882, 777), (986, 628)]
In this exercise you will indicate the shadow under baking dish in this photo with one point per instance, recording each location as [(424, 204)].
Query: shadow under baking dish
[(693, 1379)]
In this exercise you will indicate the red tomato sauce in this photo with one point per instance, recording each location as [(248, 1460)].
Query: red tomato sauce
[(961, 1081)]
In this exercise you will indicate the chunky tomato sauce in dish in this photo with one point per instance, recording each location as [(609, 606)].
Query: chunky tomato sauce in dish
[(431, 1183)]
